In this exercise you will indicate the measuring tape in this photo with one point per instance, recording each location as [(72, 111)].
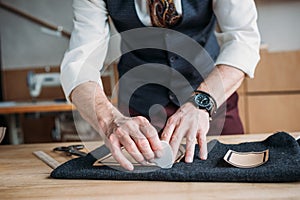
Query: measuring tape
[(47, 159)]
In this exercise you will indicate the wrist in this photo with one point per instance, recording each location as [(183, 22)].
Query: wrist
[(93, 105), (107, 116), (204, 101)]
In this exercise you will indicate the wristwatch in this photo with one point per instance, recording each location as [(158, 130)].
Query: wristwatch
[(204, 101)]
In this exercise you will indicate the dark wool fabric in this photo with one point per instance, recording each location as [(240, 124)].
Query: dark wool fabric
[(283, 165)]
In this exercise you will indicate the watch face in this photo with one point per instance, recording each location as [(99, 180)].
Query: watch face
[(202, 101)]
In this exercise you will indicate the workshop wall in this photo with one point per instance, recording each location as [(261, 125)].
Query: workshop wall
[(24, 44), (26, 47), (279, 24), (270, 101)]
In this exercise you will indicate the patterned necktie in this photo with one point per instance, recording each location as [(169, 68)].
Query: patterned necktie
[(163, 13)]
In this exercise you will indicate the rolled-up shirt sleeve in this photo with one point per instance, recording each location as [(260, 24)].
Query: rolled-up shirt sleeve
[(84, 59), (238, 36)]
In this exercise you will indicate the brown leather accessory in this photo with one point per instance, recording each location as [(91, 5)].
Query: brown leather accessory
[(246, 159)]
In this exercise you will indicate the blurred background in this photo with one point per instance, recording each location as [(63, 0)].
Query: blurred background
[(34, 35)]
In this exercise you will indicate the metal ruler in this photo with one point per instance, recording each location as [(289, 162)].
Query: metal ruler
[(51, 162)]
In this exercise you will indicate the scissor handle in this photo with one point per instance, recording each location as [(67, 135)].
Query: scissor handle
[(77, 146), (71, 150)]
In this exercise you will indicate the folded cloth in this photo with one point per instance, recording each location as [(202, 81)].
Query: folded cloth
[(283, 165)]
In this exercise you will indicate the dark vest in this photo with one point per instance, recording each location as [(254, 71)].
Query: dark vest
[(198, 23)]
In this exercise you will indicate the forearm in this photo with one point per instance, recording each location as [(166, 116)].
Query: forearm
[(93, 105), (222, 82)]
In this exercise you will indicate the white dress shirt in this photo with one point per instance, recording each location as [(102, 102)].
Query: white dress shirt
[(238, 37)]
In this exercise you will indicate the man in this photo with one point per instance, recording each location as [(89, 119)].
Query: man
[(238, 55)]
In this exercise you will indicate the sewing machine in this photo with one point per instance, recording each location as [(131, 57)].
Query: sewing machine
[(35, 82)]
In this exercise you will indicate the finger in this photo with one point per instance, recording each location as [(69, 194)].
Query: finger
[(134, 141), (176, 140), (150, 133), (190, 146), (144, 147), (203, 146), (116, 151), (169, 129), (132, 148)]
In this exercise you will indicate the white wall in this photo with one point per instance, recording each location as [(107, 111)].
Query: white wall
[(23, 43), (279, 24)]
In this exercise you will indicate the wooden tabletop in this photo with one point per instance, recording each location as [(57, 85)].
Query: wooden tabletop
[(23, 176), (40, 106)]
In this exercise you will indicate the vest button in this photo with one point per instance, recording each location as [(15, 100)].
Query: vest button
[(173, 58), (171, 96)]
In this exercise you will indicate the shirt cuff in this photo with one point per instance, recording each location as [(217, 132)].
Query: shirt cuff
[(239, 55), (73, 76)]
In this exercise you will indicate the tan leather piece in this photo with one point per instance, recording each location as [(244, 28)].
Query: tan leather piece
[(246, 159)]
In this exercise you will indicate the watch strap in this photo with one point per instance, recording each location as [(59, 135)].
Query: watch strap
[(211, 111)]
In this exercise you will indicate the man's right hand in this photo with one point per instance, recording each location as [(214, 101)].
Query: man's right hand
[(137, 136)]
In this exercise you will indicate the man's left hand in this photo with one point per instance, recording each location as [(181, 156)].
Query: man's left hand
[(192, 123)]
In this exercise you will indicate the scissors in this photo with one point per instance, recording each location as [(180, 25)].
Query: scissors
[(72, 150)]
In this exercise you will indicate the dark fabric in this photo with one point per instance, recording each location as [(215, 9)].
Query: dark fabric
[(198, 23), (283, 165)]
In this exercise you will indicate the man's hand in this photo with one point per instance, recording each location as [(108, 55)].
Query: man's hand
[(136, 134), (192, 123), (138, 137), (189, 122)]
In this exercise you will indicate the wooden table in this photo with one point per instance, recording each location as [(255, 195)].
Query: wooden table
[(39, 106), (23, 176), (14, 109)]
